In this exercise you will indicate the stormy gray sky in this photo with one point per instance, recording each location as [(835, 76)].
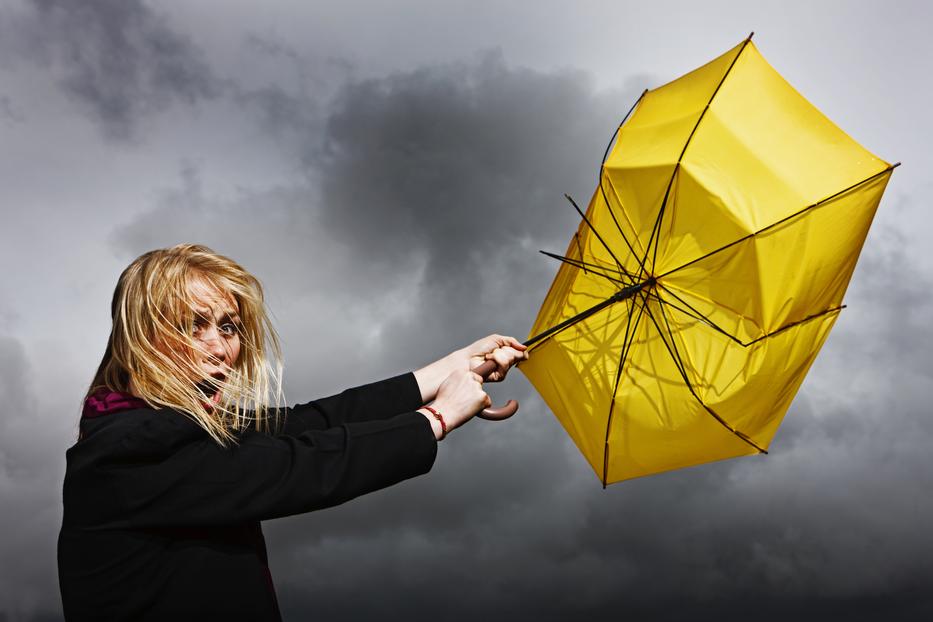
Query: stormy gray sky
[(389, 170)]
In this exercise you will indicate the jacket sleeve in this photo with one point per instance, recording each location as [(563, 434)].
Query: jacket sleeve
[(369, 402), (150, 482)]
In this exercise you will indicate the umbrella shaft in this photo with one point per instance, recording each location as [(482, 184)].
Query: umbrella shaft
[(622, 294)]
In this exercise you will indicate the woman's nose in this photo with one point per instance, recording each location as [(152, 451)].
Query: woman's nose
[(213, 343)]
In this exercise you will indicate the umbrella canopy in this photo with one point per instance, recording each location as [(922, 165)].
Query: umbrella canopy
[(706, 272)]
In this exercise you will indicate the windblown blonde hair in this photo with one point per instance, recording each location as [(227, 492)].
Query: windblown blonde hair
[(151, 342)]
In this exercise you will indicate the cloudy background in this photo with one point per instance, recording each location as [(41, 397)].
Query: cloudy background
[(389, 170)]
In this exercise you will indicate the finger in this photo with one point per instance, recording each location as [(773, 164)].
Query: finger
[(502, 365), (500, 341), (507, 356), (515, 343), (496, 341), (516, 355)]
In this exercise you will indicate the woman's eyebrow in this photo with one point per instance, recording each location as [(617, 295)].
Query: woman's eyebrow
[(230, 314)]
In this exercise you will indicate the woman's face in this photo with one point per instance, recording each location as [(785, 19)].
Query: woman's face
[(216, 332)]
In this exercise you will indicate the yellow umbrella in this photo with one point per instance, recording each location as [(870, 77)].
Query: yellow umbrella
[(705, 274)]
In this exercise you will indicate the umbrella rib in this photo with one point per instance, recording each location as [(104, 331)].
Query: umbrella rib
[(796, 323), (693, 392), (626, 346), (592, 264), (619, 126), (699, 315), (783, 220), (675, 356), (668, 303), (728, 426), (670, 332), (579, 263), (601, 176), (744, 344), (576, 238), (624, 213), (596, 233), (657, 223)]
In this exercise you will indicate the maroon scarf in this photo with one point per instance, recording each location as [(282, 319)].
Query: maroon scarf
[(104, 402)]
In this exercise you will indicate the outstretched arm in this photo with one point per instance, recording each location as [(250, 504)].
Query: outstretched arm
[(368, 402), (407, 392)]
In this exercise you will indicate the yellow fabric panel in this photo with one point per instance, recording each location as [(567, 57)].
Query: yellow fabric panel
[(749, 387), (738, 176), (575, 372), (725, 298), (767, 151), (573, 289), (616, 230), (638, 170), (657, 423), (785, 273), (657, 131), (782, 362), (638, 193), (694, 223)]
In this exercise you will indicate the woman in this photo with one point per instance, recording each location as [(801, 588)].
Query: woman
[(182, 451)]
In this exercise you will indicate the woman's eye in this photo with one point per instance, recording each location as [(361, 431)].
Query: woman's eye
[(228, 329)]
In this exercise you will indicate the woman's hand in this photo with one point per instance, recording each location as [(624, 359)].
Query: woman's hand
[(505, 351), (459, 398)]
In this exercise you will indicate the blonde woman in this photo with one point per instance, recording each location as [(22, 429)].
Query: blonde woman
[(182, 450)]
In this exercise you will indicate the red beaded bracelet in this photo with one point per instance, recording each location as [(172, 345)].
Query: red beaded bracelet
[(440, 418)]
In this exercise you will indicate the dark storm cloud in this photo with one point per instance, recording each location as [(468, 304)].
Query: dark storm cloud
[(465, 166), (119, 60), (289, 100)]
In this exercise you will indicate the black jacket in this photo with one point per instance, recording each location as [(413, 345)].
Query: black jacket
[(161, 523)]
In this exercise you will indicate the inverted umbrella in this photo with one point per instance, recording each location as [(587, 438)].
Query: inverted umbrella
[(706, 272)]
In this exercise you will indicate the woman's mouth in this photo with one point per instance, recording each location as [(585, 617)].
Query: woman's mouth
[(212, 388)]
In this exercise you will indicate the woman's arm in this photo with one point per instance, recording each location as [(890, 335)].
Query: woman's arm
[(165, 471), (407, 392), (369, 402)]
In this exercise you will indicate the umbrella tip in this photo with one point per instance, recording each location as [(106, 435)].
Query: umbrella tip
[(750, 35)]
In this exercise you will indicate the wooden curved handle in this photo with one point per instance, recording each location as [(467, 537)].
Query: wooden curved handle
[(502, 412)]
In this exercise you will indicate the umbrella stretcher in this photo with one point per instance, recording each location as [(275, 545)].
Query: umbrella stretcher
[(706, 273)]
